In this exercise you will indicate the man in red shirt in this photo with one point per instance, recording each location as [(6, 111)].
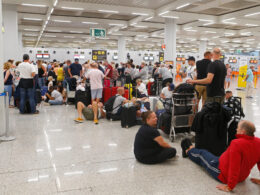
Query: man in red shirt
[(235, 164), (109, 70)]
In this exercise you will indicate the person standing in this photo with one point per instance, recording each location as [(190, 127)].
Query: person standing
[(27, 72), (75, 69), (202, 70), (109, 70), (165, 74), (143, 73), (41, 74), (8, 80), (215, 79), (249, 82), (228, 77), (191, 69)]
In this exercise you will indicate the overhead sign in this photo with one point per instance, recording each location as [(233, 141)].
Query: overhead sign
[(99, 55), (161, 56), (96, 32)]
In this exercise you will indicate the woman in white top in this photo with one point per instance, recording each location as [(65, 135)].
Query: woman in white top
[(141, 88)]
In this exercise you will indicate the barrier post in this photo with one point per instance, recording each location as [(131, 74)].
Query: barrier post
[(6, 137)]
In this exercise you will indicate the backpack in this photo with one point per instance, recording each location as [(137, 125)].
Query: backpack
[(109, 106)]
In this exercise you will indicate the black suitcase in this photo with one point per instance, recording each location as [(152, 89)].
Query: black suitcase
[(128, 117), (165, 122), (38, 96)]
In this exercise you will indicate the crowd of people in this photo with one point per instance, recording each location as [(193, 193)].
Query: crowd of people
[(30, 83)]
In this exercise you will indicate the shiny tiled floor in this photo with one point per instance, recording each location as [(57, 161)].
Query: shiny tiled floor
[(54, 155)]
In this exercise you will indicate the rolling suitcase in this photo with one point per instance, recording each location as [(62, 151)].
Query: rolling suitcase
[(129, 87), (128, 117), (126, 95), (114, 91), (164, 122), (149, 85), (107, 93), (106, 83)]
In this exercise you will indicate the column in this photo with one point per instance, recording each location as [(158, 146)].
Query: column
[(170, 39), (2, 103), (10, 37), (121, 50), (202, 49)]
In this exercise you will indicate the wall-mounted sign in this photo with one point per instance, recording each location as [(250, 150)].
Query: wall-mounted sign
[(39, 56), (46, 56), (161, 56), (39, 51), (99, 55), (95, 32)]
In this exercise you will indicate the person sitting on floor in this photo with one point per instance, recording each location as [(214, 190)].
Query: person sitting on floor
[(235, 164), (56, 97), (90, 112), (167, 91), (149, 145), (142, 91), (119, 101)]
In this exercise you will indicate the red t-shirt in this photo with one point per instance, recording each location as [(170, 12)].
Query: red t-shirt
[(110, 74)]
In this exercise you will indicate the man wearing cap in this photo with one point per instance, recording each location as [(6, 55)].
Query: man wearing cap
[(167, 91), (249, 82), (75, 69), (191, 70), (215, 79)]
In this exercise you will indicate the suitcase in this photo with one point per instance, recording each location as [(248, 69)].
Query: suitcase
[(44, 90), (126, 95), (38, 96), (164, 122), (114, 91), (107, 93), (106, 83), (149, 85), (128, 117), (130, 89)]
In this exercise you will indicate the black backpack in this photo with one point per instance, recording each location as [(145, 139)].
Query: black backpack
[(109, 106)]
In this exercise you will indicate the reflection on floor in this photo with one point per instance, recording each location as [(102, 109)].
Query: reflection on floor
[(54, 155)]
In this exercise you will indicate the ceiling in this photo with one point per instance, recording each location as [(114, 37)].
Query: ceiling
[(229, 24)]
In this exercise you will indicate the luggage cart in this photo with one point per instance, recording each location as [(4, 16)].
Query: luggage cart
[(183, 112)]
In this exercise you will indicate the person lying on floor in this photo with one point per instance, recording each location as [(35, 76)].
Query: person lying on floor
[(91, 112), (235, 164), (149, 145), (54, 96)]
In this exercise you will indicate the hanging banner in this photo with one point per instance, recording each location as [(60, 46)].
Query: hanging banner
[(242, 72)]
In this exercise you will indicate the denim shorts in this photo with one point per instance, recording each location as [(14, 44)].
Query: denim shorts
[(96, 93)]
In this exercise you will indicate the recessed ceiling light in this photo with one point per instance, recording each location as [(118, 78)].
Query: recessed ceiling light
[(35, 19), (108, 11), (182, 6), (73, 8), (33, 5), (64, 21)]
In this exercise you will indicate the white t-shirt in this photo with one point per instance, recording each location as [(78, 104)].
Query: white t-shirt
[(142, 89), (26, 69), (50, 84), (166, 92), (165, 73), (191, 74), (95, 77), (57, 95)]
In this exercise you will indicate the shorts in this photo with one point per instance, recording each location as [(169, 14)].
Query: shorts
[(202, 91), (96, 93), (228, 79), (89, 114)]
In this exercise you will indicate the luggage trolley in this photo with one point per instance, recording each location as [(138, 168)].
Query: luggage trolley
[(183, 112)]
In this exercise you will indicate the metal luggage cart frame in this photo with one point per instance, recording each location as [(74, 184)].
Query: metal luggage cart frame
[(182, 100)]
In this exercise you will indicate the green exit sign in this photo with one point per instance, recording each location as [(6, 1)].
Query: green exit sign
[(97, 32)]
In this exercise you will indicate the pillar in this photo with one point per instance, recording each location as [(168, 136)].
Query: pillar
[(121, 50), (202, 49), (170, 39), (10, 37), (2, 103)]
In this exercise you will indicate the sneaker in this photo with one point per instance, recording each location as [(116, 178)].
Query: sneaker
[(46, 104), (185, 145), (36, 112), (96, 121), (79, 120)]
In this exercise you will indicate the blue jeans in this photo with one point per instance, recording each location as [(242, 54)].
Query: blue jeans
[(24, 94), (206, 160), (9, 89), (55, 102), (41, 82)]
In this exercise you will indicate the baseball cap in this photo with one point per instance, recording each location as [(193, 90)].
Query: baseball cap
[(172, 86), (191, 58)]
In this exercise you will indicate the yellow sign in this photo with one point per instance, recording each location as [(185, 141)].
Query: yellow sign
[(242, 76)]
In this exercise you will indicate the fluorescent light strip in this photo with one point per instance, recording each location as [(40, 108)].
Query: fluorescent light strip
[(252, 25), (73, 8), (54, 30), (31, 29), (35, 19), (73, 173), (108, 11), (107, 170), (52, 10), (69, 37), (232, 23), (31, 35), (149, 18), (212, 32), (140, 26), (190, 30), (164, 13), (33, 5), (63, 149), (64, 21), (228, 19), (76, 31), (182, 6), (204, 20), (174, 17), (140, 14), (256, 13), (89, 23), (208, 23), (55, 3), (116, 24)]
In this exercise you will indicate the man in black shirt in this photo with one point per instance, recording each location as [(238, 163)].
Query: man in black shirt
[(202, 71), (215, 79)]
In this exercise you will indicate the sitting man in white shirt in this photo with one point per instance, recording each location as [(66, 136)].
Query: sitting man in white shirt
[(141, 88), (56, 97), (167, 91)]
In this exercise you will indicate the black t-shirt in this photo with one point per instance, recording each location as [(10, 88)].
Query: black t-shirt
[(216, 88), (202, 68), (144, 145)]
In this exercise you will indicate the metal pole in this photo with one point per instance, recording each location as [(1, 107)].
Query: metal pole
[(6, 136)]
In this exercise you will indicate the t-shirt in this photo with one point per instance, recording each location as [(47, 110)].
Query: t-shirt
[(26, 69), (118, 101), (144, 145), (142, 89), (57, 95), (166, 92), (216, 87), (165, 73), (75, 69), (95, 77), (229, 73), (110, 68), (191, 72), (202, 68), (250, 76), (66, 67)]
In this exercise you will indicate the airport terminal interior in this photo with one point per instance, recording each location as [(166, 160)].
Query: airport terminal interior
[(66, 64)]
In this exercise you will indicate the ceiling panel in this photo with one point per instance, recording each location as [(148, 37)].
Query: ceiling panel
[(239, 4)]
